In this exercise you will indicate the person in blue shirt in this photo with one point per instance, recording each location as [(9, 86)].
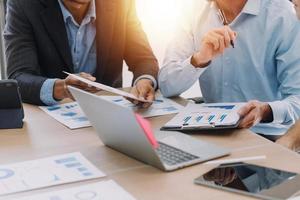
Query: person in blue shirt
[(92, 38), (291, 139), (254, 59)]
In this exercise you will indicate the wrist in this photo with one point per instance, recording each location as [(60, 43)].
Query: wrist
[(267, 114), (198, 61), (59, 91), (145, 81)]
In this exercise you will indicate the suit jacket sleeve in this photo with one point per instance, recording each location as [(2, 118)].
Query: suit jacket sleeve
[(21, 53), (138, 53)]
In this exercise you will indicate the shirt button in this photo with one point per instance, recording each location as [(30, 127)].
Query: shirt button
[(226, 83)]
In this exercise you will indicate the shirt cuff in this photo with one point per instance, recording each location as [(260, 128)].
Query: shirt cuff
[(46, 93), (147, 77), (192, 69), (279, 111)]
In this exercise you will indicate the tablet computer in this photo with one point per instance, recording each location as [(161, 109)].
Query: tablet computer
[(253, 180)]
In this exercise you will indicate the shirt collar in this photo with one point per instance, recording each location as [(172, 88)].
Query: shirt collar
[(252, 7), (90, 15)]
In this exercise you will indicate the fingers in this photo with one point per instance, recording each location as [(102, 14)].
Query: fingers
[(135, 92), (87, 76), (220, 39), (246, 109), (143, 90), (225, 35), (232, 34), (81, 85), (147, 93), (251, 114)]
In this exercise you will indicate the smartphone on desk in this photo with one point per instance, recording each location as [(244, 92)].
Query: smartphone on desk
[(11, 109)]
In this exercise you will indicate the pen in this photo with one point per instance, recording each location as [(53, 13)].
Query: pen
[(225, 23)]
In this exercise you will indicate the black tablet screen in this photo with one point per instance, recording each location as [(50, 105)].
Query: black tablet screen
[(263, 182)]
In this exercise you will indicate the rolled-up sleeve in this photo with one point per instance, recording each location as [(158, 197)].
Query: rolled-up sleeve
[(177, 73), (287, 111)]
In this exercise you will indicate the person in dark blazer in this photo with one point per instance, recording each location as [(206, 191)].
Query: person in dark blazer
[(43, 38)]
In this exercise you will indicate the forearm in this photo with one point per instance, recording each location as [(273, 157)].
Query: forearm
[(291, 139), (176, 77), (30, 87)]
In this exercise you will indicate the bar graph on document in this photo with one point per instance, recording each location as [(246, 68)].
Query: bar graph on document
[(46, 172), (206, 116), (209, 118), (161, 106), (69, 114)]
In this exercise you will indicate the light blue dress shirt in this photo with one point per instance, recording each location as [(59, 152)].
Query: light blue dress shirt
[(264, 65), (82, 42)]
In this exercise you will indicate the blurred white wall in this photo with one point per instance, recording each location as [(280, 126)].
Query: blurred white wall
[(159, 18)]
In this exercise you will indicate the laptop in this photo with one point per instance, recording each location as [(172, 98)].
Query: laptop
[(119, 128)]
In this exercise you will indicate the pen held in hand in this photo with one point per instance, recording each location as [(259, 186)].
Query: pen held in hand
[(225, 23)]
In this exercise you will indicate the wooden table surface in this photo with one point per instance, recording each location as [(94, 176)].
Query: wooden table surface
[(42, 136)]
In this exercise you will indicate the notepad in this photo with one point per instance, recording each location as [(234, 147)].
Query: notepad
[(206, 116)]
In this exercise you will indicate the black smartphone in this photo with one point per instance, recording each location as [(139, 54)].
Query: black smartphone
[(9, 95)]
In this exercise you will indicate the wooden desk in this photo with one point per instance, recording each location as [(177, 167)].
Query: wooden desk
[(43, 136)]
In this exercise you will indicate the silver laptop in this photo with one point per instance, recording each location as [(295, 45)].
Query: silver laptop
[(118, 128)]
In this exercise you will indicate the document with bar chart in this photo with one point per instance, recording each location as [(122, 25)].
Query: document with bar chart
[(206, 116), (161, 106), (105, 190), (69, 114), (35, 174)]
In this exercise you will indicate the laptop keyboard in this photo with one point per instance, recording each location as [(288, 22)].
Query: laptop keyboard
[(173, 156)]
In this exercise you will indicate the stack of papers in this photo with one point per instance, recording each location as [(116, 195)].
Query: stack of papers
[(206, 116), (106, 190), (46, 172), (71, 115)]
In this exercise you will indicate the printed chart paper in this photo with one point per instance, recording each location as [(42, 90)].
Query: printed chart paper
[(107, 88), (105, 190), (206, 115), (69, 114), (56, 170), (161, 106)]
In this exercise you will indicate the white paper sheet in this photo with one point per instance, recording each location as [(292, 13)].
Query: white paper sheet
[(105, 190), (294, 198), (69, 114), (207, 115), (107, 88), (161, 106), (56, 170)]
